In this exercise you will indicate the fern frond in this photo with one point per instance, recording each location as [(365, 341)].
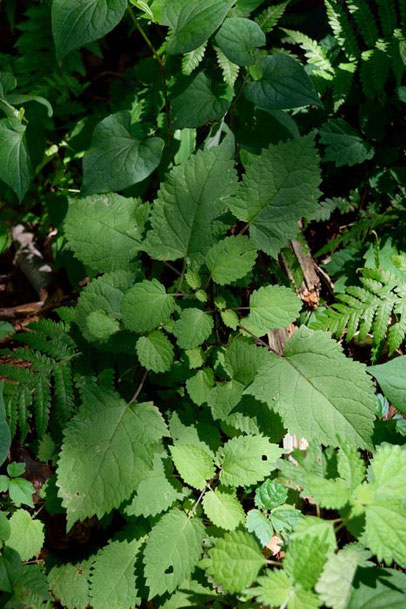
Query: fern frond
[(314, 52), (375, 69), (63, 391), (229, 69), (343, 78), (270, 17), (387, 15), (342, 29), (24, 411), (191, 60), (402, 9), (365, 20), (376, 307)]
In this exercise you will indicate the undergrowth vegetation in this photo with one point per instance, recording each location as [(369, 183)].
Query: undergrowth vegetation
[(203, 381)]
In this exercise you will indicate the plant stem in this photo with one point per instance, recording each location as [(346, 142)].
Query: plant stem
[(140, 386), (262, 342)]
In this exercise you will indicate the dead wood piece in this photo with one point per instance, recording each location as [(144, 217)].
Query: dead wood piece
[(30, 260)]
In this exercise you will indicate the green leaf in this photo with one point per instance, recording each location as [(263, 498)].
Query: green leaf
[(194, 464), (192, 328), (391, 377), (245, 460), (231, 259), (189, 200), (103, 294), (239, 38), (192, 24), (278, 188), (21, 491), (155, 352), (229, 69), (284, 84), (203, 100), (336, 582), (101, 326), (146, 305), (26, 535), (320, 393), (107, 450), (273, 306), (172, 551), (260, 525), (117, 157), (15, 164), (285, 518), (223, 509), (304, 562), (311, 527), (234, 561), (113, 582), (331, 494), (156, 493), (105, 231), (70, 584), (276, 589), (344, 146), (5, 434), (270, 495), (351, 466), (243, 359), (75, 24), (378, 589), (5, 528), (230, 319), (199, 386)]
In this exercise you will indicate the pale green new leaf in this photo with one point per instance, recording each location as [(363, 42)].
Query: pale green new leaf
[(70, 584), (203, 100), (278, 188), (113, 582), (320, 393), (172, 551), (223, 509), (192, 196), (192, 23), (192, 328), (273, 306), (311, 527), (119, 156), (260, 525), (15, 164), (105, 231), (194, 464), (191, 60), (231, 259), (229, 69), (77, 23), (155, 352), (107, 450), (391, 377), (245, 460), (26, 535), (234, 561), (336, 581), (276, 589), (146, 305), (239, 38), (284, 84)]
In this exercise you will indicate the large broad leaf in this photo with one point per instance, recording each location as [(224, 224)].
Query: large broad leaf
[(192, 23), (108, 448), (234, 561), (238, 38), (378, 589), (172, 551), (284, 84), (192, 196), (118, 158), (105, 231), (201, 101), (278, 188), (320, 393), (113, 580), (70, 584), (82, 21), (391, 376), (15, 164), (344, 145), (276, 589)]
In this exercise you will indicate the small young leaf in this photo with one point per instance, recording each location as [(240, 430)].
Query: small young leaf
[(155, 352), (223, 509), (260, 525), (146, 306), (273, 306), (193, 463), (26, 535), (231, 259), (193, 328), (270, 495)]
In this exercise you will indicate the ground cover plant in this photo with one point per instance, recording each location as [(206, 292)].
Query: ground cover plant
[(203, 304)]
